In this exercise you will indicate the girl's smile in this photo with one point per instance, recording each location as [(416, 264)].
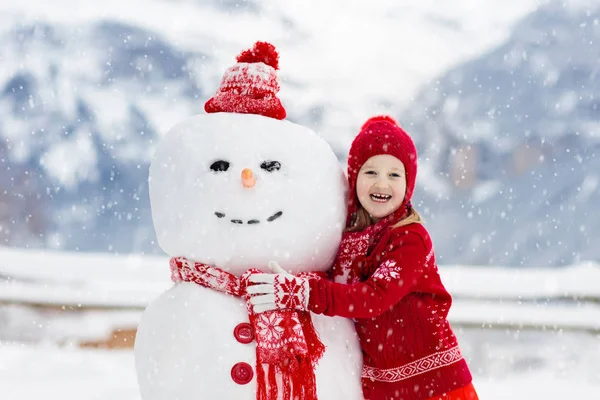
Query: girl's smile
[(380, 197)]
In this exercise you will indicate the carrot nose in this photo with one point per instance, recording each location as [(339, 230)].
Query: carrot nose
[(248, 179)]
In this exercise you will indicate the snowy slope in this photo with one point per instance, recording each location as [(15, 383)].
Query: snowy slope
[(85, 93)]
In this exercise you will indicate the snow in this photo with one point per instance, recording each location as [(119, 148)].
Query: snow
[(195, 209), (577, 281), (96, 269), (563, 317), (520, 343), (76, 374)]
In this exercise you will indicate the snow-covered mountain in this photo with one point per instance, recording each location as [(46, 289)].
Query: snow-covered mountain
[(513, 140), (77, 131), (86, 92)]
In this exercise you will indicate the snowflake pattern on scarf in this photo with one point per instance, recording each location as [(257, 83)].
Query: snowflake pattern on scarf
[(269, 327)]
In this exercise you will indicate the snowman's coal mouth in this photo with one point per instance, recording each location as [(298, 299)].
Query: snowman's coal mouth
[(251, 221)]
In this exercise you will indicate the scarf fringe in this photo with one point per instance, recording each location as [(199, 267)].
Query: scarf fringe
[(261, 388), (303, 382), (316, 348), (272, 383), (298, 382)]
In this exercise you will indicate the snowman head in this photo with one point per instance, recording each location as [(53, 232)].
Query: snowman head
[(239, 189)]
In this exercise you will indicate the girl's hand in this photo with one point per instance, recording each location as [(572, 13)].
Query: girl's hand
[(278, 291)]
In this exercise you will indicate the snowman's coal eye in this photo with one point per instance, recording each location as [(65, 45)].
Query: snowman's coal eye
[(270, 166), (219, 166)]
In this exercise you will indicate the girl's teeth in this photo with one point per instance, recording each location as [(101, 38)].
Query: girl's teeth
[(380, 198)]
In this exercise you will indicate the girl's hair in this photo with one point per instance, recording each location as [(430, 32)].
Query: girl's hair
[(362, 219)]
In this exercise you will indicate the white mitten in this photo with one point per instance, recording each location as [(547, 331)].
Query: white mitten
[(278, 291)]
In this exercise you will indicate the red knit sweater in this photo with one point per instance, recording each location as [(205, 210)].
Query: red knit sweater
[(400, 307)]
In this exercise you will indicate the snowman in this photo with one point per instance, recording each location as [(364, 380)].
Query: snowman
[(232, 191)]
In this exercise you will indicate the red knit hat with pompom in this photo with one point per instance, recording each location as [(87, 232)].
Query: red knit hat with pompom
[(381, 135), (251, 85)]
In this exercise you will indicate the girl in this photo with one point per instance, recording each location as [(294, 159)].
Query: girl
[(385, 278)]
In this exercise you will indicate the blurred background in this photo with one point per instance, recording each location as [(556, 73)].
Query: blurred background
[(501, 97)]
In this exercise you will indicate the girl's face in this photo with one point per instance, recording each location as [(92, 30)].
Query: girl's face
[(381, 185)]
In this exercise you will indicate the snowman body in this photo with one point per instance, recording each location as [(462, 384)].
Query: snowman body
[(194, 342)]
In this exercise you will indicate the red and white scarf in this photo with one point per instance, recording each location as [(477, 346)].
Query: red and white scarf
[(286, 340)]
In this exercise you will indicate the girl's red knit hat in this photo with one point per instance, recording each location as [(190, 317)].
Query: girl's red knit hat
[(381, 135)]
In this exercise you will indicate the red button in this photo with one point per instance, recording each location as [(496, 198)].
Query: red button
[(242, 373), (243, 333)]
